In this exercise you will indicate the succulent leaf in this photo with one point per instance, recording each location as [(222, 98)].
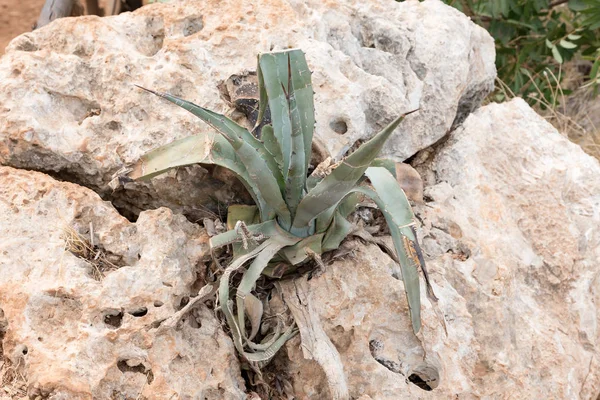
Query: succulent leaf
[(271, 143), (302, 107), (249, 216), (408, 265), (275, 85), (241, 212), (263, 100), (261, 166), (287, 82), (265, 229), (337, 232), (297, 253), (343, 178), (398, 214), (198, 149), (262, 254), (386, 163)]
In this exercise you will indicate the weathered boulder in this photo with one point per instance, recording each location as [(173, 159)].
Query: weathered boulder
[(511, 231), (530, 218), (89, 301), (77, 324), (68, 105)]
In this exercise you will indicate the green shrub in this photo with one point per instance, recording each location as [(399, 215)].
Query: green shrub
[(534, 38)]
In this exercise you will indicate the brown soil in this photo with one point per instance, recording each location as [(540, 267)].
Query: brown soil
[(17, 17)]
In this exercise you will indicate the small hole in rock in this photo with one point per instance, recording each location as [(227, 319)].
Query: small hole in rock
[(417, 380), (158, 303), (192, 25), (194, 323), (25, 350), (139, 368), (113, 125), (113, 318), (339, 126), (184, 301), (140, 312), (425, 376)]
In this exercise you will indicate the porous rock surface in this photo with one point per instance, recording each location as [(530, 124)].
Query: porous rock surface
[(509, 224), (511, 233), (68, 105), (66, 335)]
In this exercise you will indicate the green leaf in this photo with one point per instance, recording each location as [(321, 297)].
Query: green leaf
[(296, 254), (302, 111), (302, 95), (408, 266), (505, 7), (577, 5), (271, 143), (263, 98), (386, 163), (312, 181), (248, 215), (345, 207), (337, 232), (348, 205), (274, 81), (286, 78), (343, 178), (549, 44), (556, 55), (261, 166), (573, 36), (241, 212), (594, 70), (198, 149), (267, 229), (567, 45), (398, 214), (262, 254), (594, 25)]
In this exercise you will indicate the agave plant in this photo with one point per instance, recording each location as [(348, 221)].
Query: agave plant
[(297, 217)]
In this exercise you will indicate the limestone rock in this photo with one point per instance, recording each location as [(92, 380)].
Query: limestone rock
[(68, 105), (72, 333), (511, 233)]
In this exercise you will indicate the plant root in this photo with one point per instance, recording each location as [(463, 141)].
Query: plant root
[(315, 343)]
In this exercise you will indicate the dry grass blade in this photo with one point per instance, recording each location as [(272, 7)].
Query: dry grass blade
[(12, 382), (81, 247)]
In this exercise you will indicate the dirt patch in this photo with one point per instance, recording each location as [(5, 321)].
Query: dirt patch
[(17, 17)]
